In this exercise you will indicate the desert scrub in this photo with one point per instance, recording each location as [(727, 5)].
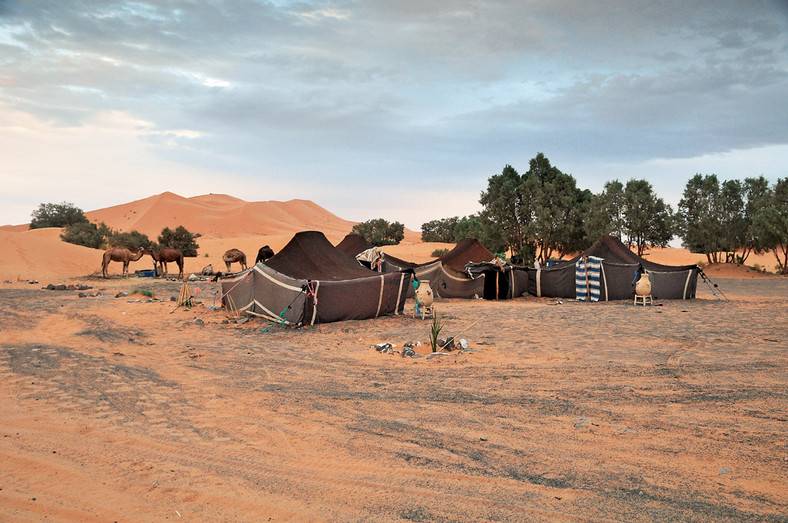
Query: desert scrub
[(144, 292), (437, 253), (435, 330)]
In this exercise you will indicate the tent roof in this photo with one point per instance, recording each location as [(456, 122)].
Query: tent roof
[(353, 244), (466, 251), (310, 256), (614, 251)]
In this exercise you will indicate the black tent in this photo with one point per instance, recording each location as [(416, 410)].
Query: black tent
[(309, 281), (502, 281), (619, 268), (353, 244)]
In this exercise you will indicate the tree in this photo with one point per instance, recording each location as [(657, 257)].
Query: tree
[(756, 193), (647, 219), (380, 232), (87, 234), (770, 224), (56, 215), (502, 207), (439, 230), (469, 227), (180, 239), (605, 214), (698, 216), (132, 241), (733, 224), (551, 209)]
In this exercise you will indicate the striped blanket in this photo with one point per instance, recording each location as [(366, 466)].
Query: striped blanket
[(587, 278)]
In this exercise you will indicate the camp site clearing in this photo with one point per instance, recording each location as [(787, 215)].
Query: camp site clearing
[(134, 409)]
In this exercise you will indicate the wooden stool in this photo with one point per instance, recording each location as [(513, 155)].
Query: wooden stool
[(424, 312), (644, 299)]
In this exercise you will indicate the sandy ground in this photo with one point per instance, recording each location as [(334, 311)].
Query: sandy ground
[(124, 409), (128, 409)]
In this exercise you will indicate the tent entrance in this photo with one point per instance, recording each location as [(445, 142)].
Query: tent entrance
[(496, 285)]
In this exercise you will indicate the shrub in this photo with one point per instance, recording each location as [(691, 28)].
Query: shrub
[(180, 239), (86, 234), (132, 241), (56, 215), (437, 253)]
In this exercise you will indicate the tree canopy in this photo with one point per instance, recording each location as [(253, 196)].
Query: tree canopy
[(380, 232), (180, 239), (56, 215)]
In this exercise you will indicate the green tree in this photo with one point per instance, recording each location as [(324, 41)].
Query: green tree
[(502, 207), (380, 232), (770, 224), (756, 193), (551, 209), (648, 220), (132, 241), (439, 230), (698, 216), (469, 227), (87, 234), (733, 224), (605, 214), (56, 215), (180, 239)]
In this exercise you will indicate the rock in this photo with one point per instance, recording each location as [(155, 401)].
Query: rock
[(61, 287), (408, 352), (193, 277), (447, 344), (462, 343), (199, 321), (50, 287), (384, 348), (82, 295), (243, 320), (71, 287), (122, 294)]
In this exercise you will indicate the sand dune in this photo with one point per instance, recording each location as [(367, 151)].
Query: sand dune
[(219, 216)]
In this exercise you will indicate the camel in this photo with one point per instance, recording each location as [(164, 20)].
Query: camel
[(119, 254), (263, 254), (166, 255), (233, 256)]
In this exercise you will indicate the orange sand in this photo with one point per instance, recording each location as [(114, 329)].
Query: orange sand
[(129, 409)]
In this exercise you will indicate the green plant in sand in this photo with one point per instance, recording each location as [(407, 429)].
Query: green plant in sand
[(435, 330), (144, 292)]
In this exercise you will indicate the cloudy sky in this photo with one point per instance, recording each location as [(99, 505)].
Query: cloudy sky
[(396, 109)]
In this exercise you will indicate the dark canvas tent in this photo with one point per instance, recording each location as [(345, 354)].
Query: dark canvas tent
[(353, 244), (447, 275), (309, 281), (501, 280), (619, 268)]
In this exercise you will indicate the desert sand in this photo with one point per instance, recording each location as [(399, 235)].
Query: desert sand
[(131, 409)]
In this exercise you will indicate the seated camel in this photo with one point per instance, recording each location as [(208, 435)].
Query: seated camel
[(166, 255), (119, 254), (233, 256), (263, 254)]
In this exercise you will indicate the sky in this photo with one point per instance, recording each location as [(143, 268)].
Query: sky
[(394, 109)]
